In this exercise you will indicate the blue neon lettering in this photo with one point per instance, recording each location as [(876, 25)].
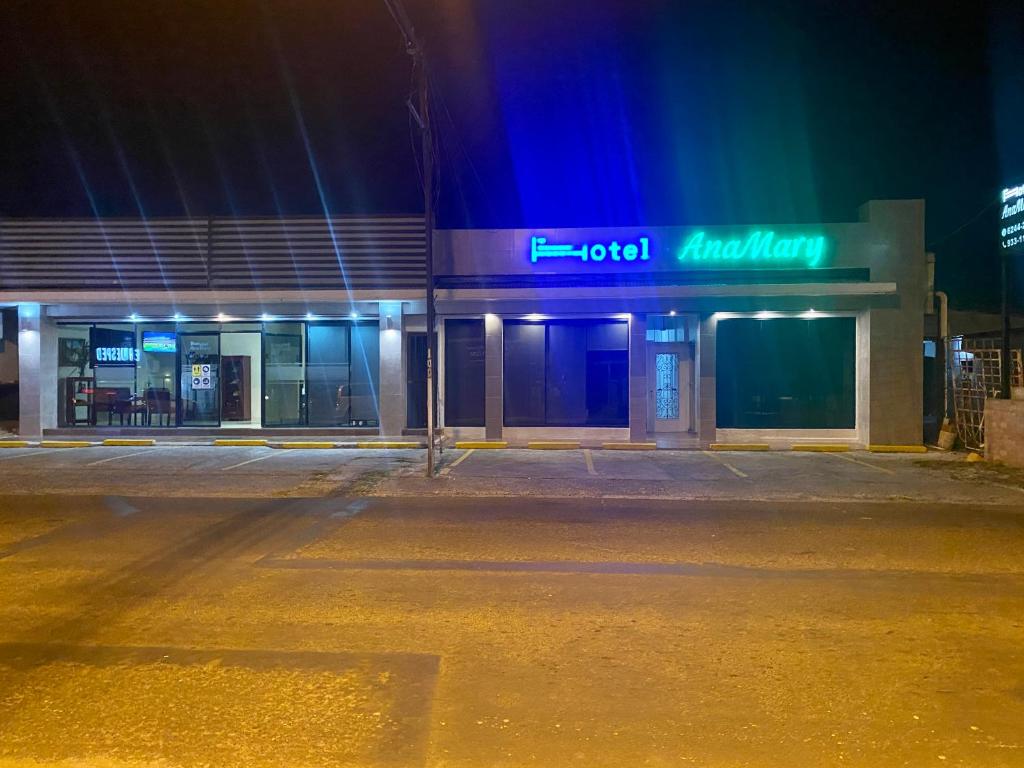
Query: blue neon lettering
[(596, 252)]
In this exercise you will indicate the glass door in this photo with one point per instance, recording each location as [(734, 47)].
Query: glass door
[(199, 369), (670, 386)]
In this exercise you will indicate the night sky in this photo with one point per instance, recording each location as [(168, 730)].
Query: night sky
[(569, 112)]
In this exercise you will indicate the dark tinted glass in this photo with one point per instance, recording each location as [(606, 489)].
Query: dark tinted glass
[(464, 373), (786, 373), (567, 373)]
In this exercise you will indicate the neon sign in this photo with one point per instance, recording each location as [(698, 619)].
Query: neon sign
[(613, 251), (759, 248)]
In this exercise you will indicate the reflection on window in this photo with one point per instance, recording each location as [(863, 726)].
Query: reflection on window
[(566, 373)]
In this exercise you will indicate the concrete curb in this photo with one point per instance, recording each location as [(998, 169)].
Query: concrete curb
[(553, 445), (14, 444), (65, 444), (629, 446), (821, 448), (297, 445), (740, 447), (129, 441), (241, 441), (390, 444), (897, 449)]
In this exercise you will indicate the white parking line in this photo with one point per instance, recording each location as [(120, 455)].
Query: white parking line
[(725, 464), (116, 458), (23, 455), (862, 463), (590, 462), (456, 463), (250, 461)]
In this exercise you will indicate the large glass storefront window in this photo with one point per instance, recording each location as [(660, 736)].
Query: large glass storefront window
[(464, 373), (342, 374), (233, 374), (786, 373), (566, 373), (284, 385)]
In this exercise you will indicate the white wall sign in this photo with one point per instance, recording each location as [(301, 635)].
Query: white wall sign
[(1011, 218)]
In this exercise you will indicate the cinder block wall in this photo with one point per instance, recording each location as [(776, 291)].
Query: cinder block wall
[(1004, 431)]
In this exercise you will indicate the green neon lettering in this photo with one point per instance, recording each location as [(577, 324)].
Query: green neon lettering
[(691, 250), (761, 245)]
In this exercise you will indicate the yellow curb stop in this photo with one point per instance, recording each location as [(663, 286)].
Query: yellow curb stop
[(305, 445), (126, 441), (64, 444), (897, 449), (740, 447), (13, 443), (390, 444), (482, 444), (553, 445), (821, 447), (629, 446), (241, 441)]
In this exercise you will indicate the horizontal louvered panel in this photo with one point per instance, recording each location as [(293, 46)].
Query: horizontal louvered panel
[(360, 252)]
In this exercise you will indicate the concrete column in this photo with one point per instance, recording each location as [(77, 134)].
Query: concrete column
[(392, 369), (494, 360), (37, 371), (707, 421), (638, 384), (896, 334)]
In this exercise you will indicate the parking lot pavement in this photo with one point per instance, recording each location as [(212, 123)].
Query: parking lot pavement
[(706, 475), (188, 470)]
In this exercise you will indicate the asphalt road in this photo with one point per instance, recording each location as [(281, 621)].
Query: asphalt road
[(440, 631)]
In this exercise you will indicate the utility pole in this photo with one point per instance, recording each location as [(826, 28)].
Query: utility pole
[(1007, 362), (421, 114)]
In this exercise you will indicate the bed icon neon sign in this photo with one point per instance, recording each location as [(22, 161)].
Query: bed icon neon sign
[(590, 252)]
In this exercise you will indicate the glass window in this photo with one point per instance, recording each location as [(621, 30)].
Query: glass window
[(464, 373), (364, 375), (284, 387), (566, 373), (523, 373), (342, 373), (416, 380), (76, 382), (786, 373), (155, 374)]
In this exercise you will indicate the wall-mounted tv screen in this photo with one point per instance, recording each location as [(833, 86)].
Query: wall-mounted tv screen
[(159, 341)]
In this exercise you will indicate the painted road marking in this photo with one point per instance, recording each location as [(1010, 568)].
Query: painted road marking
[(456, 463), (725, 463), (862, 463), (116, 458), (250, 461), (590, 461), (20, 455)]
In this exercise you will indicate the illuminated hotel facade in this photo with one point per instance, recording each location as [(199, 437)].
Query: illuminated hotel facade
[(682, 336)]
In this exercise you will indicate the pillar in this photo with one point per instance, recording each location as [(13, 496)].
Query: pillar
[(392, 369), (37, 371), (707, 417), (494, 358), (638, 428)]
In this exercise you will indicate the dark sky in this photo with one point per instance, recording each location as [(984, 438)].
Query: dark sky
[(567, 112)]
